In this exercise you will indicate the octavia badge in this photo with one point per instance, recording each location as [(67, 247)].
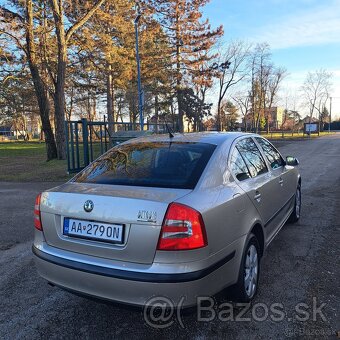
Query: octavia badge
[(88, 206)]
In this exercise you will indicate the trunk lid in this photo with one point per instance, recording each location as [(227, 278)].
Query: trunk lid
[(139, 210)]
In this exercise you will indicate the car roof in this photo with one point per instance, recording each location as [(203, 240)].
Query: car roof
[(215, 138)]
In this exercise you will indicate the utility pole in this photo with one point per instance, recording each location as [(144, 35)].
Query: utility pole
[(330, 114), (139, 82)]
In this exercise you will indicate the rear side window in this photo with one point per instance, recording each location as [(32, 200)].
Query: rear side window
[(273, 156), (252, 157), (151, 164), (238, 166)]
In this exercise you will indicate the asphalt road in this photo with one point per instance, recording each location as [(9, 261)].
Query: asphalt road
[(301, 266)]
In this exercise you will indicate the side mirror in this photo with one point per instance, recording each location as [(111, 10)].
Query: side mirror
[(292, 161)]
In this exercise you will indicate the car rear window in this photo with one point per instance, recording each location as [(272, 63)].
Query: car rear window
[(151, 164)]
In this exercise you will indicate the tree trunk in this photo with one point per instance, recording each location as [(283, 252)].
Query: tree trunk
[(195, 124), (59, 105), (59, 96), (266, 114), (268, 125), (39, 86), (94, 106), (109, 101), (218, 122), (180, 110), (156, 113), (178, 73), (200, 125), (259, 113), (44, 110), (220, 98), (69, 112)]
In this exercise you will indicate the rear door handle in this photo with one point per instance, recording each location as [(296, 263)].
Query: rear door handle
[(257, 196)]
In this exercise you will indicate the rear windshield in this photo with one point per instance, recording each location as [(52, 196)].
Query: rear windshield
[(151, 164)]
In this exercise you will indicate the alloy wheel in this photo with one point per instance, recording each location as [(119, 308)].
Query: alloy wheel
[(251, 271)]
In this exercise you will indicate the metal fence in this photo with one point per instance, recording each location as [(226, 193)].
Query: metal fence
[(87, 140)]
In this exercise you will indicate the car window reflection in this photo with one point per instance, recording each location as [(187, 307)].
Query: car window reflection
[(238, 166), (273, 156), (156, 164), (252, 157)]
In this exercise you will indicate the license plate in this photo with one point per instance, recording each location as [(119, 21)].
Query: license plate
[(98, 231)]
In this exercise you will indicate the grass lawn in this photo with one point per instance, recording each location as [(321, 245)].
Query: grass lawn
[(289, 135), (26, 162)]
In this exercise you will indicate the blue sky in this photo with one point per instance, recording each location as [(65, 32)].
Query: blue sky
[(304, 35)]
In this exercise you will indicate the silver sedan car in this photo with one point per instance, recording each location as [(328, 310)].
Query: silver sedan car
[(177, 216)]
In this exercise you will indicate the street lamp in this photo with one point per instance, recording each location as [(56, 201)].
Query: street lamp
[(139, 82)]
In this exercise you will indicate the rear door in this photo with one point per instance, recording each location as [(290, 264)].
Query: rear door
[(282, 176), (260, 188)]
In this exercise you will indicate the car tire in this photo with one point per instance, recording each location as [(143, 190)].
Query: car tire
[(246, 287), (295, 215)]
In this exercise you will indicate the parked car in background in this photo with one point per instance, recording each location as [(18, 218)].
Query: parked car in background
[(175, 216)]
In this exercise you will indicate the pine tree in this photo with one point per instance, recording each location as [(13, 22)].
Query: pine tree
[(189, 37)]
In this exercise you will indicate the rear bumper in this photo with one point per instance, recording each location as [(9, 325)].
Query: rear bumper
[(131, 275), (133, 287)]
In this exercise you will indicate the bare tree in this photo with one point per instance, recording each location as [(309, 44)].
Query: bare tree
[(64, 35), (20, 27), (260, 66), (229, 115), (22, 23), (316, 89), (275, 77), (232, 69), (243, 103)]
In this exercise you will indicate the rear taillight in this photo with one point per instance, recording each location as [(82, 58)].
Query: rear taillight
[(183, 229), (37, 216)]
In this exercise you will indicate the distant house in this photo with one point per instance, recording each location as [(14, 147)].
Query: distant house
[(27, 127), (309, 119), (34, 127), (274, 115), (291, 121), (6, 131)]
